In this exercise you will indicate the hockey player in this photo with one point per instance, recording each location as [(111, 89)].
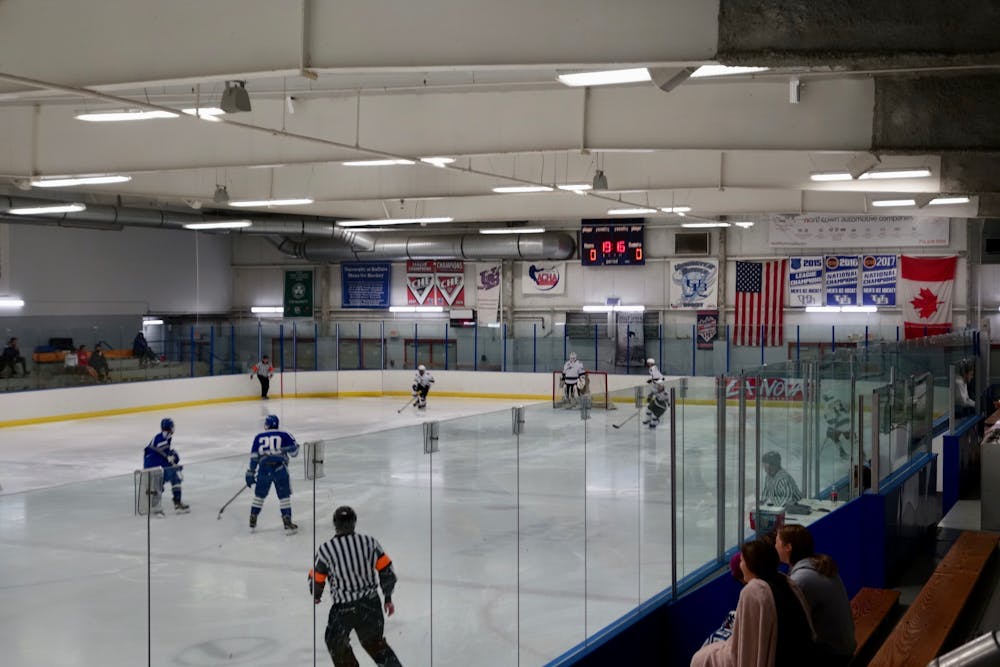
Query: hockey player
[(572, 371), (159, 453), (838, 424), (271, 449), (654, 373), (422, 382), (656, 404)]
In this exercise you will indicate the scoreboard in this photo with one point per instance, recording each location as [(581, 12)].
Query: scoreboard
[(607, 243)]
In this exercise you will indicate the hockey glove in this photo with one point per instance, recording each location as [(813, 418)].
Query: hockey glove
[(250, 478), (173, 458)]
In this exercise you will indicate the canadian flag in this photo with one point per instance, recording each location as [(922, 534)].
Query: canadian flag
[(926, 285)]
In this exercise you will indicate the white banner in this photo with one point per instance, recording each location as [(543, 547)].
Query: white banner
[(694, 284), (4, 259), (543, 278), (488, 278), (805, 281), (857, 231)]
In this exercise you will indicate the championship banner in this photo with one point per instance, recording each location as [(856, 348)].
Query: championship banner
[(420, 287), (805, 281), (488, 293), (298, 294), (708, 328), (857, 231), (365, 284), (926, 285), (449, 281), (694, 284), (842, 277), (878, 280), (543, 279)]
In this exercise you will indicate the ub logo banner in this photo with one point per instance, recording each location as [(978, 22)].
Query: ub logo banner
[(694, 284), (543, 279), (878, 280), (488, 293), (805, 281), (842, 276)]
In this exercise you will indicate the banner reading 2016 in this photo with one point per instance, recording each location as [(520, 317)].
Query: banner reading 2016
[(842, 280)]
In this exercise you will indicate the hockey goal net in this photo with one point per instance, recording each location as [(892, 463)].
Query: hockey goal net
[(596, 386)]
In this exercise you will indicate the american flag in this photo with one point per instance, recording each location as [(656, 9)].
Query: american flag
[(760, 302)]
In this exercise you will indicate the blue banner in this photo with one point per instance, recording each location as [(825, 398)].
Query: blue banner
[(842, 276), (365, 284), (878, 280)]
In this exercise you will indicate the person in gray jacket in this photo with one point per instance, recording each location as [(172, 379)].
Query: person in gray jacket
[(816, 575)]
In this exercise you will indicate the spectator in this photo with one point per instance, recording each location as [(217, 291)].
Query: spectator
[(964, 405), (772, 627), (83, 361), (100, 364), (725, 631), (779, 487), (11, 357), (829, 607), (142, 351)]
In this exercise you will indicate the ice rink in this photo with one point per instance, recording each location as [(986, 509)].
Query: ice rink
[(509, 549)]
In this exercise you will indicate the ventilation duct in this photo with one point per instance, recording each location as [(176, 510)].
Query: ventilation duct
[(551, 245)]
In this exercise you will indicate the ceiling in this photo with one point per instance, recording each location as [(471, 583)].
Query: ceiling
[(738, 146)]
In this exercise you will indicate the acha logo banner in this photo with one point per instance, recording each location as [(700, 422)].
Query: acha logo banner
[(543, 279)]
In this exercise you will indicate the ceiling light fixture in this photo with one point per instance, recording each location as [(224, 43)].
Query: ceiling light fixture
[(261, 310), (521, 189), (392, 221), (46, 210), (676, 209), (631, 211), (745, 224), (129, 114), (376, 163), (151, 321), (11, 302), (205, 113), (615, 309), (704, 225), (272, 202), (895, 173), (830, 176), (724, 70), (221, 224), (437, 161), (416, 309), (70, 181), (578, 188), (235, 97), (605, 77), (513, 230), (944, 201), (881, 203)]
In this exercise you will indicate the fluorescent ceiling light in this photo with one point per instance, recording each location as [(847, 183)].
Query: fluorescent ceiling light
[(942, 201), (631, 211), (895, 173), (513, 189), (605, 77), (416, 309), (724, 70), (267, 309), (822, 309), (830, 176), (221, 224), (493, 325), (151, 321), (10, 302), (438, 161), (676, 209), (115, 116), (513, 230), (42, 210), (894, 202), (272, 202), (616, 309), (576, 187), (207, 113), (704, 225), (841, 309), (745, 224), (376, 163), (392, 221), (78, 180)]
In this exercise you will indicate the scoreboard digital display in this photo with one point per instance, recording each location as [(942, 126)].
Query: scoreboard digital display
[(612, 243)]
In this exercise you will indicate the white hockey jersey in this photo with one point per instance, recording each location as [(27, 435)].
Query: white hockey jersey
[(654, 374), (572, 369), (424, 380)]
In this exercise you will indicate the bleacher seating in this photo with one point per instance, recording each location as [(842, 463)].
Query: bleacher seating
[(874, 611)]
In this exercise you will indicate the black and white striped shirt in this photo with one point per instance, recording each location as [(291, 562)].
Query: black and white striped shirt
[(354, 566)]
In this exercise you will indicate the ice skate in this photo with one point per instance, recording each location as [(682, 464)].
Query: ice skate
[(181, 508), (253, 521), (289, 526)]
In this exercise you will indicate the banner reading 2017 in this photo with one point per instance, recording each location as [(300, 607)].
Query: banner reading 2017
[(878, 280)]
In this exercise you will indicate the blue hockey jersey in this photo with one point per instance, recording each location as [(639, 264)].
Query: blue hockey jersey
[(159, 452), (272, 448)]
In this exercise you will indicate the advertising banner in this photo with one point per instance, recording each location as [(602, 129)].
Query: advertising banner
[(365, 284), (543, 279), (857, 231), (707, 328), (298, 293), (805, 281), (842, 277), (694, 284), (488, 293), (878, 280), (771, 389)]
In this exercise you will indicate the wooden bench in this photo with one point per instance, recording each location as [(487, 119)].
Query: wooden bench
[(923, 632), (871, 608)]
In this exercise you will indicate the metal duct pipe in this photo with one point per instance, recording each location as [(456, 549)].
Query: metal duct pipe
[(551, 245), (980, 652)]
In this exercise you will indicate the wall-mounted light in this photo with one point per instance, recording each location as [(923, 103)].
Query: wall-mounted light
[(11, 302), (416, 309), (266, 310)]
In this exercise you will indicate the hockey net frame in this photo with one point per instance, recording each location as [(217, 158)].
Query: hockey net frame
[(597, 387)]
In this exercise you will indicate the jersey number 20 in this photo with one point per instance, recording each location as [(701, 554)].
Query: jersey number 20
[(269, 444)]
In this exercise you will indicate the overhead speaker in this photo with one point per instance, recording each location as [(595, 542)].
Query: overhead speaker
[(235, 97), (600, 181)]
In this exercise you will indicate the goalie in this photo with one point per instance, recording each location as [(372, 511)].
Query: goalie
[(656, 404), (421, 385), (573, 380)]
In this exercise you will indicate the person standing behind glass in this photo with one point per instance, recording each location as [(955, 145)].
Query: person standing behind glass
[(964, 405), (263, 371)]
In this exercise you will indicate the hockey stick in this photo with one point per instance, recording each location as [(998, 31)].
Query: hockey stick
[(412, 401), (230, 501), (628, 419)]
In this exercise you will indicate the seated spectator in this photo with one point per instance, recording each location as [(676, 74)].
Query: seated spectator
[(83, 361), (725, 631), (100, 364), (779, 487), (772, 627), (965, 406), (142, 351), (11, 357), (829, 607)]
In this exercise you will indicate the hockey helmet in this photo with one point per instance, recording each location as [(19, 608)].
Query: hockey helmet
[(344, 519), (167, 424), (651, 361), (572, 356), (271, 421), (420, 368)]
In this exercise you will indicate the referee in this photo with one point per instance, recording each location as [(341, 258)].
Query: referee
[(355, 566)]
